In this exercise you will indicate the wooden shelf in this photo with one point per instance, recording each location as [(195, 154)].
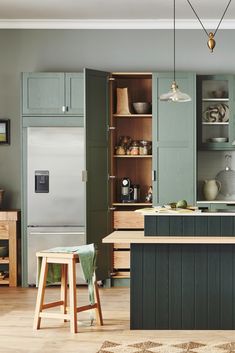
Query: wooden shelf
[(216, 123), (132, 156), (4, 260), (215, 99), (4, 281), (126, 204), (133, 116)]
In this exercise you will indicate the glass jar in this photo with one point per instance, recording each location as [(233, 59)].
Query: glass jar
[(143, 148), (134, 149)]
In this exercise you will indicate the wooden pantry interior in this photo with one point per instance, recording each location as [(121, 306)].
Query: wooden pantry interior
[(130, 131)]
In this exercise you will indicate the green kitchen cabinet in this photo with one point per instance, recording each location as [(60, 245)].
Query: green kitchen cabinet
[(98, 219), (174, 141), (215, 112), (53, 93)]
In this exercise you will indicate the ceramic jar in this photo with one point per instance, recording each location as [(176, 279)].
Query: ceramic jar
[(211, 189)]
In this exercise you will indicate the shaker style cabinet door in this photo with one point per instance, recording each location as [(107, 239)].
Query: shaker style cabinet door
[(43, 93), (97, 213), (74, 92), (174, 145), (53, 93)]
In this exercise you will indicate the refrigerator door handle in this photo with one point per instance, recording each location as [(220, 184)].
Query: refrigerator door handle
[(56, 233), (84, 176)]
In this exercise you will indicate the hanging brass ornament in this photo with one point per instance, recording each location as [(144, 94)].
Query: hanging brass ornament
[(211, 42)]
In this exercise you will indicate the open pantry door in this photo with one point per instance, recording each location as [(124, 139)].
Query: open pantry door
[(97, 205)]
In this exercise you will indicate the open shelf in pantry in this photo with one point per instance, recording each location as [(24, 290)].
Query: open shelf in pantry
[(132, 156), (4, 260), (132, 115)]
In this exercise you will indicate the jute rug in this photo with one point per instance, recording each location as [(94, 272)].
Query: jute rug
[(159, 347)]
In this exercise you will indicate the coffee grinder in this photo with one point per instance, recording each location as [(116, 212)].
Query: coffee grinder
[(126, 190)]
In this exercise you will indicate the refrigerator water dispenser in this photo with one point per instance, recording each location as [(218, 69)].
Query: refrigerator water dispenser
[(41, 181)]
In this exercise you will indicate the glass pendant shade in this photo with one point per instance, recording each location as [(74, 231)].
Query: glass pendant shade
[(175, 95)]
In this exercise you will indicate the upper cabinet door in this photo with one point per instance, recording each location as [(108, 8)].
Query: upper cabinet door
[(97, 200), (43, 93), (174, 146), (215, 102), (74, 83)]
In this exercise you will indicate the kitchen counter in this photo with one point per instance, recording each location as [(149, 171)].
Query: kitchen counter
[(188, 213), (138, 237), (182, 271)]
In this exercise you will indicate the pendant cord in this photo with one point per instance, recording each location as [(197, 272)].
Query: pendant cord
[(201, 21), (222, 16), (174, 39)]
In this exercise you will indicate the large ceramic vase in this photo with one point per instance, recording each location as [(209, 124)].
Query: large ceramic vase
[(211, 189)]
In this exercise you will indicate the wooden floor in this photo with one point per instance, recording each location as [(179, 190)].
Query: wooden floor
[(17, 335)]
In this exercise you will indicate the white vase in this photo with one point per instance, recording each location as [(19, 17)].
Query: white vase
[(211, 189)]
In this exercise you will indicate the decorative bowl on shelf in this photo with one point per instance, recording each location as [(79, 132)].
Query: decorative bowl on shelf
[(216, 113), (142, 107), (218, 139), (219, 94)]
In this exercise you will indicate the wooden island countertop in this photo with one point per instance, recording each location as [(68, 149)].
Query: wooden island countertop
[(138, 237)]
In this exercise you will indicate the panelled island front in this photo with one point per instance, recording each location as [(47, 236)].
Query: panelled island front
[(182, 271)]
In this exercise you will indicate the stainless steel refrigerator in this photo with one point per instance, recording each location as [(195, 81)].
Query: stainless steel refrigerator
[(55, 191)]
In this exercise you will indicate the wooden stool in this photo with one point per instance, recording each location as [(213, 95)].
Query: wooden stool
[(68, 262)]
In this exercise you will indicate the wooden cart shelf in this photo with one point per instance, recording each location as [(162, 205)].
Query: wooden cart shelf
[(9, 230)]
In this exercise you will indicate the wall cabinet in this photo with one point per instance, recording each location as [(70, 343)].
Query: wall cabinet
[(53, 93), (215, 100)]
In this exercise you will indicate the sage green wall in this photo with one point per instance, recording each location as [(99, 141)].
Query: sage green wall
[(109, 50)]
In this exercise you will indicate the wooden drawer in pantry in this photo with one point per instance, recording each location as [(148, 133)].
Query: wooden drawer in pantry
[(121, 259), (128, 220)]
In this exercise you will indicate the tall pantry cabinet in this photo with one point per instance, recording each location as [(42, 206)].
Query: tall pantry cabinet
[(159, 155)]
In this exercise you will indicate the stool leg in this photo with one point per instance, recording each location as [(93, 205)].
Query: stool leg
[(63, 293), (72, 296), (98, 311), (41, 294)]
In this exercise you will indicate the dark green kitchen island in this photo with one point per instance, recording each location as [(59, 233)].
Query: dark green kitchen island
[(182, 271)]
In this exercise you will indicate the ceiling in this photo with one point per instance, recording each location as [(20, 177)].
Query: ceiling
[(82, 10)]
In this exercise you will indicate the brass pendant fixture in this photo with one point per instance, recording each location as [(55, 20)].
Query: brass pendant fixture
[(175, 95), (211, 41)]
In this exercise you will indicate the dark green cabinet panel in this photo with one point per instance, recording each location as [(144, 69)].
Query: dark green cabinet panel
[(200, 225), (53, 93), (187, 286), (97, 215), (174, 141)]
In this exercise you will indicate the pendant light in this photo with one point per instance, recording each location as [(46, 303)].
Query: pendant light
[(211, 41), (175, 95)]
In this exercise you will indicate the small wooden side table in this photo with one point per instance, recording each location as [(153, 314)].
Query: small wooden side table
[(10, 230)]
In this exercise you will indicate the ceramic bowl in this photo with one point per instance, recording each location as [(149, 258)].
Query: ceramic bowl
[(3, 251), (219, 94), (142, 107)]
